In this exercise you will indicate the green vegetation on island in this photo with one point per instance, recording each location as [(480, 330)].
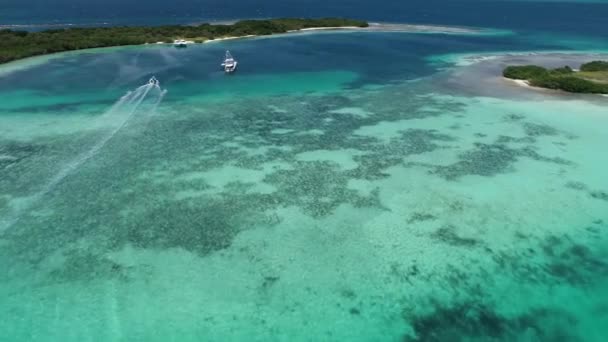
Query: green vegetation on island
[(591, 79), (21, 44), (595, 66)]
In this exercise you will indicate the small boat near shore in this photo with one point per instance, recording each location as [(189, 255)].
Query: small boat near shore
[(180, 43), (229, 63)]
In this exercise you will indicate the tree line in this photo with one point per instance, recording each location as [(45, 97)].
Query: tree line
[(21, 44), (564, 78)]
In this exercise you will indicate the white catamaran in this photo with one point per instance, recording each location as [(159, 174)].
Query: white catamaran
[(230, 63)]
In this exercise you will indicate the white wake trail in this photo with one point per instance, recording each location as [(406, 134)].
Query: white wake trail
[(132, 100), (75, 164)]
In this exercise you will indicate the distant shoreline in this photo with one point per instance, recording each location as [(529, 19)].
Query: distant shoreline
[(590, 78), (373, 27), (15, 47), (484, 71), (526, 84)]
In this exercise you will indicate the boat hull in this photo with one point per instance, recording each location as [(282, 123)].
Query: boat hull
[(230, 68)]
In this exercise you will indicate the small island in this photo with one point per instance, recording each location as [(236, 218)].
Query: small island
[(591, 78), (16, 45)]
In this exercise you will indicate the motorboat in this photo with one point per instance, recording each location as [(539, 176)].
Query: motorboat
[(154, 82), (180, 43), (229, 63)]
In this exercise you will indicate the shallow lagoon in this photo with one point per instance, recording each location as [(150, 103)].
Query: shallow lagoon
[(312, 196)]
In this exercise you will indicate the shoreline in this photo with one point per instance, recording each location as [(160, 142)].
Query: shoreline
[(373, 27), (18, 45), (553, 72), (226, 38), (310, 29), (32, 61), (526, 84), (327, 29), (483, 73), (521, 83), (471, 58), (493, 62)]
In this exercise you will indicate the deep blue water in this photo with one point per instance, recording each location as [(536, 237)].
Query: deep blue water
[(538, 26), (573, 17)]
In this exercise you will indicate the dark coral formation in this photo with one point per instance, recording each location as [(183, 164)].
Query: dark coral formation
[(318, 188), (485, 160), (448, 235), (82, 265), (404, 273), (576, 185), (420, 217), (538, 130), (600, 195), (491, 159), (478, 322), (11, 153), (409, 142), (108, 201), (556, 259), (595, 194), (505, 139), (512, 117)]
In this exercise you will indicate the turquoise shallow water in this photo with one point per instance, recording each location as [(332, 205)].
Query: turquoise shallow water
[(337, 199)]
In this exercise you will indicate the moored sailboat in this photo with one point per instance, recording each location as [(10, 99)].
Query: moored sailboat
[(229, 63)]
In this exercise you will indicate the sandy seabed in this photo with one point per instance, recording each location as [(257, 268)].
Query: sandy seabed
[(456, 205)]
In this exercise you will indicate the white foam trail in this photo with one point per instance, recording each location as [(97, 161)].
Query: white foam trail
[(133, 99), (137, 99)]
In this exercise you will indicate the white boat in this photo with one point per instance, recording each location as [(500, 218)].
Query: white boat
[(154, 82), (230, 63), (180, 43)]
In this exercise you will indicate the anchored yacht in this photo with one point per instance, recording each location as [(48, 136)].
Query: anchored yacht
[(180, 43), (230, 63)]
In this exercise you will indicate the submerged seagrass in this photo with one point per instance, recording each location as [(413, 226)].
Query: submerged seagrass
[(314, 197)]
